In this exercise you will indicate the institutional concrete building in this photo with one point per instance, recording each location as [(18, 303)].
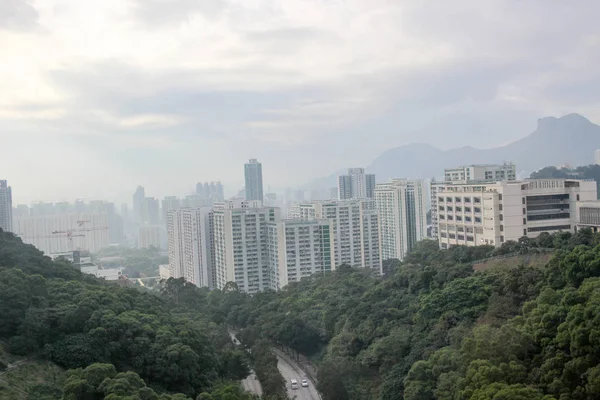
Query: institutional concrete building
[(493, 213), (476, 173)]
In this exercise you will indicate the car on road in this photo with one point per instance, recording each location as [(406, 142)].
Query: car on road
[(304, 383), (294, 384)]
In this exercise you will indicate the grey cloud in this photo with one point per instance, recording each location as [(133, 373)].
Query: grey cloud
[(18, 15), (164, 12)]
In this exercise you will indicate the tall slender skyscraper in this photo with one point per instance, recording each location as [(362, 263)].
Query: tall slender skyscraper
[(254, 181), (6, 219), (356, 185), (138, 203)]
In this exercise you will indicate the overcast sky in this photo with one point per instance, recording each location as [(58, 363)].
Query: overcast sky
[(97, 97)]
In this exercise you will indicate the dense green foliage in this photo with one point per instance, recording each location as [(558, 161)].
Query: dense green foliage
[(50, 309), (433, 328)]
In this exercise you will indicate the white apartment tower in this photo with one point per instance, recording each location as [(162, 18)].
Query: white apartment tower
[(350, 219), (356, 185), (474, 214), (403, 216), (189, 245), (6, 216), (240, 244), (299, 249)]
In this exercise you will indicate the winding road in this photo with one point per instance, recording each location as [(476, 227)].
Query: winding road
[(290, 370)]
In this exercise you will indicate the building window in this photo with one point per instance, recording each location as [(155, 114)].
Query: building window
[(501, 228), (477, 219), (467, 209), (550, 228), (501, 239), (477, 210), (524, 232), (524, 221), (500, 207), (458, 209), (458, 218), (501, 217), (577, 197), (500, 196), (523, 200), (477, 199), (468, 219), (467, 199), (450, 218), (524, 211), (457, 199)]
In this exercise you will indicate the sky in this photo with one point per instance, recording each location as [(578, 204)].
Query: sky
[(97, 97)]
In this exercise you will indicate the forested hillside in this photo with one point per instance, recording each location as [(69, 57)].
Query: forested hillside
[(144, 344), (434, 329)]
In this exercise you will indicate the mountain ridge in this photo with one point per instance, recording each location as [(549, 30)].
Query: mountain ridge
[(567, 139)]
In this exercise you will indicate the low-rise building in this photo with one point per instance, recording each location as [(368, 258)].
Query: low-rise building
[(588, 215), (474, 214)]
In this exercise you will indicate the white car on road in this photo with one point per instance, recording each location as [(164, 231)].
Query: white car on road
[(304, 383), (294, 384)]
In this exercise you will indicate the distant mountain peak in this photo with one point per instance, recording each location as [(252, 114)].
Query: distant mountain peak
[(562, 122), (568, 139)]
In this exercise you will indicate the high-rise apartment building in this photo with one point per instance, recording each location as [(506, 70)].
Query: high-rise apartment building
[(189, 245), (349, 219), (150, 211), (471, 173), (371, 250), (6, 216), (240, 241), (254, 180), (401, 205), (299, 249), (356, 185), (138, 203), (169, 203), (149, 236), (210, 193), (474, 214)]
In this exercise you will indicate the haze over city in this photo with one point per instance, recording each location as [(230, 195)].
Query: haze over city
[(98, 97)]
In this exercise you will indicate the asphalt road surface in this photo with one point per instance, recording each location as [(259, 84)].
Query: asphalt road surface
[(290, 370), (252, 385)]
